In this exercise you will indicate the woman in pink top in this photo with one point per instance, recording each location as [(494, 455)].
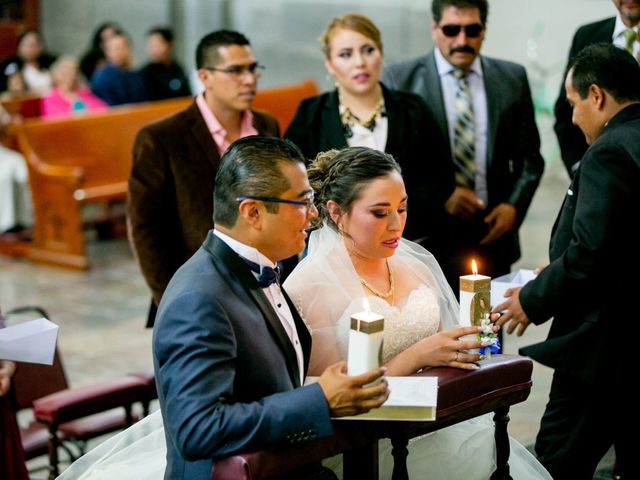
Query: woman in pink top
[(68, 95)]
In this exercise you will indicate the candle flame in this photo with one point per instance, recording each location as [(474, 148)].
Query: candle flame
[(474, 267), (365, 305)]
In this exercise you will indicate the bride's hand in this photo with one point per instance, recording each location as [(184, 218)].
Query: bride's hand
[(445, 349)]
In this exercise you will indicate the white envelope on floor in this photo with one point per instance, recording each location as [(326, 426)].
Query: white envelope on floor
[(32, 342), (501, 284)]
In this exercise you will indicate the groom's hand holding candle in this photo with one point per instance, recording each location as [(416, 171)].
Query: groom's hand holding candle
[(347, 395)]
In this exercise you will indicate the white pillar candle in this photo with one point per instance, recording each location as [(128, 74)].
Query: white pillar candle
[(365, 342)]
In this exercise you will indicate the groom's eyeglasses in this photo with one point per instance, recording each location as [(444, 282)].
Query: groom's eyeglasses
[(307, 202), (472, 31)]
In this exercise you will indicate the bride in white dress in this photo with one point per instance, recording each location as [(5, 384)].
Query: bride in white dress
[(358, 253), (401, 280)]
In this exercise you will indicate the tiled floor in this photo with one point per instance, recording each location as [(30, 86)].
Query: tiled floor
[(102, 312)]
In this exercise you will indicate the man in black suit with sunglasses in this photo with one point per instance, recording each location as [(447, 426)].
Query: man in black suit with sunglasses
[(483, 107)]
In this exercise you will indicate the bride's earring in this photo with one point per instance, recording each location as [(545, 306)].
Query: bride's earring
[(347, 240)]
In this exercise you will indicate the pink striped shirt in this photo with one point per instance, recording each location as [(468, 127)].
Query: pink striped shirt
[(217, 130)]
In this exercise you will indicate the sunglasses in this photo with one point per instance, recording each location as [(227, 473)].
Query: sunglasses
[(472, 31)]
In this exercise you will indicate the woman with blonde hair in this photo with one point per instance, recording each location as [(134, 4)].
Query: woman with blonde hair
[(361, 111)]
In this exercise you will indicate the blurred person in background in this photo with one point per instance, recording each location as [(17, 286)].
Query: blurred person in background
[(28, 70), (94, 59), (15, 198), (163, 76), (116, 83), (69, 94)]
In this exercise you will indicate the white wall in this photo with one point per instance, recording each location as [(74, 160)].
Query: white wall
[(538, 35), (68, 25), (285, 32)]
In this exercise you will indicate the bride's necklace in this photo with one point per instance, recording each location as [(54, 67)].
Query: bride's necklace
[(375, 291)]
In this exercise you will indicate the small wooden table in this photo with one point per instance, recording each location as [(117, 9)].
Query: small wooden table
[(501, 381)]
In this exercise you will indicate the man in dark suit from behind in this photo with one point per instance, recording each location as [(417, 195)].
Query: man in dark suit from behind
[(494, 143), (230, 350), (590, 286), (175, 160), (570, 138)]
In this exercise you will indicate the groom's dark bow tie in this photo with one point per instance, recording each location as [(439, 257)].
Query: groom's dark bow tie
[(267, 276)]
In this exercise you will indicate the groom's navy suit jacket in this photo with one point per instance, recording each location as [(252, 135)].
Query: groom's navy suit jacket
[(226, 371)]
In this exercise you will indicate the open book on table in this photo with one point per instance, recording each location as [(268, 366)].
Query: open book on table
[(411, 399)]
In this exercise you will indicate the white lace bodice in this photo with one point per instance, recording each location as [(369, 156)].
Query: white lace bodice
[(417, 317)]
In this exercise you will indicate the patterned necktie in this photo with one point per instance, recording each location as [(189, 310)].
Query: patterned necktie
[(630, 37), (464, 145), (268, 275)]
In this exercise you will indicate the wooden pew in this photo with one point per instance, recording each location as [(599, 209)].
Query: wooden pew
[(83, 160), (282, 102), (25, 105), (76, 161)]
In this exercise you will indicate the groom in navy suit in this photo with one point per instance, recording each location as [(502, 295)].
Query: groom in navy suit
[(590, 286), (230, 350)]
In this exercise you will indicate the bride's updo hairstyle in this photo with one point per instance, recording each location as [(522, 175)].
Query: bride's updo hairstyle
[(340, 175)]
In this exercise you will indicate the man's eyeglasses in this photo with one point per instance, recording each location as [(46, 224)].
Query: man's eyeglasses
[(472, 31), (307, 202), (239, 71)]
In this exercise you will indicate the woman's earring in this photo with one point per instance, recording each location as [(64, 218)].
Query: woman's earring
[(332, 81)]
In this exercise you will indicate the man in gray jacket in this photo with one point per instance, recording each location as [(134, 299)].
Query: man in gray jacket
[(483, 107)]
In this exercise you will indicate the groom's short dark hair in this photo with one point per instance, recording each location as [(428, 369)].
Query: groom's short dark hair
[(251, 166)]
